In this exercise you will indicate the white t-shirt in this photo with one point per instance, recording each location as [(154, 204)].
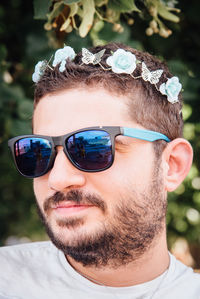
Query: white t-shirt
[(40, 271)]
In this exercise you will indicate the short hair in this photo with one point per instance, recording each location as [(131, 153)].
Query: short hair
[(147, 106)]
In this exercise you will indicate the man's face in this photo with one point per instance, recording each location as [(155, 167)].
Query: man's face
[(109, 216)]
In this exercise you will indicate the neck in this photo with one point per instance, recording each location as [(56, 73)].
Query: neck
[(152, 264)]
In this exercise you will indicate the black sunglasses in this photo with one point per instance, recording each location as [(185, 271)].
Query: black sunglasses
[(90, 149)]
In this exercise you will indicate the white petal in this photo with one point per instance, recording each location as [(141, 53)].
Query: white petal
[(62, 66), (172, 100), (117, 70), (131, 69), (109, 60), (131, 56), (119, 52), (162, 88), (35, 77)]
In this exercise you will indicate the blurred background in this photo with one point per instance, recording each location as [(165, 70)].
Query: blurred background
[(32, 30)]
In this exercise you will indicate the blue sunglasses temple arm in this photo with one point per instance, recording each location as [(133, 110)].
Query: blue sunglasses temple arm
[(144, 134)]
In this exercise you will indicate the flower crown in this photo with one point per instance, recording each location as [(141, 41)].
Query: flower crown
[(120, 62)]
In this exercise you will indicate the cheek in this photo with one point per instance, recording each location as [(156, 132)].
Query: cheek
[(134, 168), (130, 171), (40, 189)]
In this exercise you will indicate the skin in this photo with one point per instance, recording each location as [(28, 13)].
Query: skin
[(70, 110)]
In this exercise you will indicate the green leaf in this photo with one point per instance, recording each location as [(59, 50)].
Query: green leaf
[(58, 7), (100, 3), (80, 12), (123, 5), (25, 109), (88, 17), (3, 52), (165, 14), (41, 8), (19, 127), (65, 24), (68, 2), (73, 11), (98, 26), (187, 111), (12, 94)]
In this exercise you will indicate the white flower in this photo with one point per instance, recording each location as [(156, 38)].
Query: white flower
[(122, 62), (39, 70), (62, 55), (62, 66), (171, 89)]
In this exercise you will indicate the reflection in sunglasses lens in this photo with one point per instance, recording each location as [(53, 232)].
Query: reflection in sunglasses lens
[(90, 150), (32, 155)]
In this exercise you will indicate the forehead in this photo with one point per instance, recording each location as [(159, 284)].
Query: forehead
[(69, 110)]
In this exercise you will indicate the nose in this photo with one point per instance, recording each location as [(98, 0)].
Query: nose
[(64, 175)]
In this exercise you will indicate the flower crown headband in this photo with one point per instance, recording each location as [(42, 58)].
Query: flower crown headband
[(120, 62)]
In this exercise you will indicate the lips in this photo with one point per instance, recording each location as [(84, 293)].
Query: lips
[(69, 207), (74, 199)]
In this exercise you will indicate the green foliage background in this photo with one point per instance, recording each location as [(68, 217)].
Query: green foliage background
[(23, 41)]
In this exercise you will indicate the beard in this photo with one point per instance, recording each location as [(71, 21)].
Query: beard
[(136, 221)]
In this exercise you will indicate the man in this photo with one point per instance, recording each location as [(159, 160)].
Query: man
[(107, 125)]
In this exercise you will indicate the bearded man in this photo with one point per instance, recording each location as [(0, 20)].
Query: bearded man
[(106, 148)]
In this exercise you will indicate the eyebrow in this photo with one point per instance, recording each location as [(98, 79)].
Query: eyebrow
[(121, 141)]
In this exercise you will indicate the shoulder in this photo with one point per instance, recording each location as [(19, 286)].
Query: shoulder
[(181, 270), (23, 266), (184, 279), (27, 250), (21, 258)]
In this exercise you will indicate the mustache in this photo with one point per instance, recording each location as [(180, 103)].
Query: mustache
[(76, 196)]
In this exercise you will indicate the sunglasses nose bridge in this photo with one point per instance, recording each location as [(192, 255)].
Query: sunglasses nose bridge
[(57, 140), (60, 141)]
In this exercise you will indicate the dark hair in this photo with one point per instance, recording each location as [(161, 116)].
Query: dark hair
[(147, 106)]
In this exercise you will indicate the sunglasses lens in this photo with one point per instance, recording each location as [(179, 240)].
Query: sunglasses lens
[(90, 150), (32, 156)]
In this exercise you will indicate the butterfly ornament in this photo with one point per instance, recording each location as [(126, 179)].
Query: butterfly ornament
[(152, 77), (88, 57)]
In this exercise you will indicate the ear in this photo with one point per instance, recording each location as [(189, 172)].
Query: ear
[(177, 161)]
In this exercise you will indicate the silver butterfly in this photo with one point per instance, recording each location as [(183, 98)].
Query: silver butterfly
[(88, 57), (152, 77)]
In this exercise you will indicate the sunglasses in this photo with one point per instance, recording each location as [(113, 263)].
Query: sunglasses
[(90, 149)]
